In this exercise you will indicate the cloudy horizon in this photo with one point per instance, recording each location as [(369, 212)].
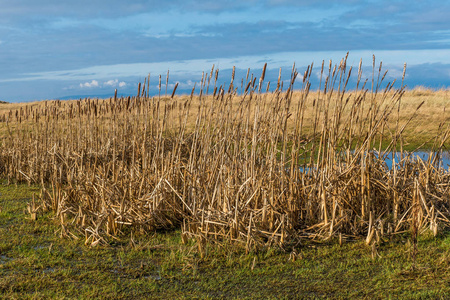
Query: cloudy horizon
[(53, 49)]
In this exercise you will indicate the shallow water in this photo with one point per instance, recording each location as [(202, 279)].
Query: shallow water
[(444, 159)]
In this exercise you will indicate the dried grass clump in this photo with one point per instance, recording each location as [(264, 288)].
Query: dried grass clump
[(254, 169)]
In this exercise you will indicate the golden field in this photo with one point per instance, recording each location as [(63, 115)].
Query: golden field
[(433, 111)]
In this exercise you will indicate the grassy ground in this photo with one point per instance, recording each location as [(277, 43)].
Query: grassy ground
[(35, 263)]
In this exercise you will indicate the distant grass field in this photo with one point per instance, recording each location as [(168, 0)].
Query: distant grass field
[(35, 263), (435, 110)]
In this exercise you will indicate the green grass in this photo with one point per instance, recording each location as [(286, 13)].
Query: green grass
[(36, 263)]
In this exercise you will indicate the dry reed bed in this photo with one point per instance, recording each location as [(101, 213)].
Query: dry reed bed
[(255, 169)]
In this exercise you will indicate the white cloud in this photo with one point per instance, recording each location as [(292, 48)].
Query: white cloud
[(111, 82), (92, 84), (114, 83), (283, 59)]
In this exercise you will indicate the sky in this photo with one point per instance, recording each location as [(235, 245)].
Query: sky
[(70, 49)]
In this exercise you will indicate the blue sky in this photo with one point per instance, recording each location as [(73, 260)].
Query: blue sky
[(56, 49)]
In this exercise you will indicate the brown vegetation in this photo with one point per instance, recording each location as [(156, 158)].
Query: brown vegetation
[(258, 169)]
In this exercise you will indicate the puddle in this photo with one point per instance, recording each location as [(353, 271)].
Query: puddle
[(443, 159), (48, 270), (39, 247), (154, 276), (4, 259)]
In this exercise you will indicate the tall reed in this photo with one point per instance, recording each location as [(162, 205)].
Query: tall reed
[(257, 169)]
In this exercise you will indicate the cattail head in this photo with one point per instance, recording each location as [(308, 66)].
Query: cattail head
[(232, 74), (404, 72), (174, 90), (263, 75)]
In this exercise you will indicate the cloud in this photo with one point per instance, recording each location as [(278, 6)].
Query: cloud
[(64, 38), (113, 8), (87, 9), (92, 84), (183, 85), (111, 82), (96, 84), (194, 67), (77, 41), (114, 83)]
